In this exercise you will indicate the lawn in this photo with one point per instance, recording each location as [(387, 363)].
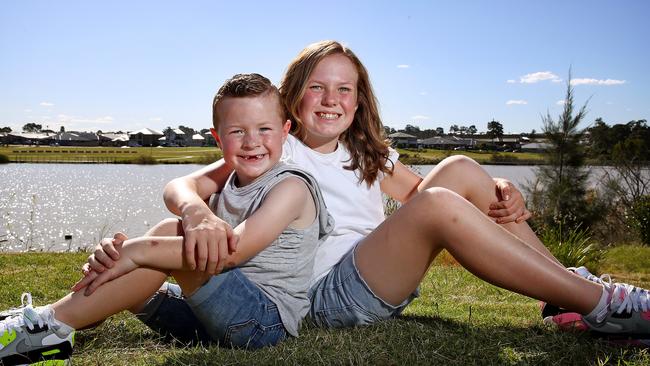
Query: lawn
[(433, 156), (458, 320), (133, 155)]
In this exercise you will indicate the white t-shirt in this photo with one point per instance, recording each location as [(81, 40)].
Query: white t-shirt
[(357, 209)]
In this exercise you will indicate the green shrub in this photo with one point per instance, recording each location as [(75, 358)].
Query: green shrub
[(572, 247), (640, 218), (145, 160), (208, 158), (4, 159), (503, 158)]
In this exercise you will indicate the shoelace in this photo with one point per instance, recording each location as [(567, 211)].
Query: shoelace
[(584, 272), (635, 298), (28, 317), (25, 300)]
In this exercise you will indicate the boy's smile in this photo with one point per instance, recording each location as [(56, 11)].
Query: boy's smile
[(251, 133)]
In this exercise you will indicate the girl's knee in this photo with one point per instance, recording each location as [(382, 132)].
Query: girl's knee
[(436, 201), (459, 162)]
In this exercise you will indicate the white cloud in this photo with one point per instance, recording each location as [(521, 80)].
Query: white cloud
[(155, 119), (588, 81), (561, 102), (516, 102), (511, 81), (63, 118), (403, 66), (47, 104), (420, 117), (536, 77)]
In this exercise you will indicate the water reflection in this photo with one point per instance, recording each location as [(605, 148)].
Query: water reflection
[(42, 203)]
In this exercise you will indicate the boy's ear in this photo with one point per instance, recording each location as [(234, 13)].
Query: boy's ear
[(285, 129), (216, 136)]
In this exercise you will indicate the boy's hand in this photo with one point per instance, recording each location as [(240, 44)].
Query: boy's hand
[(208, 240), (92, 280), (511, 206), (106, 253)]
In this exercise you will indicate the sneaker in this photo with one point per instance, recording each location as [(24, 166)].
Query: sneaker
[(627, 313), (32, 336)]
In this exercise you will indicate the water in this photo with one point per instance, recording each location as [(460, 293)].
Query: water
[(42, 204)]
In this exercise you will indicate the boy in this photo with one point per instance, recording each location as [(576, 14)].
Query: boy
[(277, 212)]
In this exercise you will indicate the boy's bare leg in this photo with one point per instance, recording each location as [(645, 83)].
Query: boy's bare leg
[(126, 292)]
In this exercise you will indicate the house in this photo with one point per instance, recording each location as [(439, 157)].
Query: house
[(77, 138), (114, 139), (535, 147), (145, 137), (29, 138), (174, 137), (447, 142), (197, 140), (401, 139)]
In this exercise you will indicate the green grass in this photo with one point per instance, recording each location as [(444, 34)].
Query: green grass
[(458, 320), (433, 156), (134, 155)]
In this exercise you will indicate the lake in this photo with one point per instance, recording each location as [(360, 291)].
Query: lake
[(55, 207)]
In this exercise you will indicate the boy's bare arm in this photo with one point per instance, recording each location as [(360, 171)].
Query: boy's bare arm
[(288, 202)]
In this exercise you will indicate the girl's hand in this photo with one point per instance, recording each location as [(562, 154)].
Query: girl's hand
[(208, 240), (106, 253), (511, 206)]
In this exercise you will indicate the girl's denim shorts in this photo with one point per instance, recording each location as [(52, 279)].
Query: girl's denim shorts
[(343, 299), (229, 309)]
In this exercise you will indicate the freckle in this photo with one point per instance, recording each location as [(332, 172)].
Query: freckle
[(153, 242), (454, 219)]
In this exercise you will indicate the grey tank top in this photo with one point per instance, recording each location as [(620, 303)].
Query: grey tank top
[(283, 269)]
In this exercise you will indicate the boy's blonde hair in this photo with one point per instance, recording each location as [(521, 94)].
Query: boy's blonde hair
[(245, 85), (365, 137)]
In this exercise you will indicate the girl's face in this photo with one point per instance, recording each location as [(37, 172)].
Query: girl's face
[(330, 101)]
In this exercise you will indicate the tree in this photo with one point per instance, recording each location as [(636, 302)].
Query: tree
[(32, 127), (453, 129), (463, 130), (472, 130), (440, 131), (494, 130), (559, 194), (5, 129), (388, 130)]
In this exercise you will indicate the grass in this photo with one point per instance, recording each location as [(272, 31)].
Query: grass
[(134, 155), (206, 155), (457, 320), (433, 156)]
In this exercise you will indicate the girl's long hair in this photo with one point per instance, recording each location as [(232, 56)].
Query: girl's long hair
[(365, 137)]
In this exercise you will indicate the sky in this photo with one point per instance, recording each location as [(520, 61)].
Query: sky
[(124, 65)]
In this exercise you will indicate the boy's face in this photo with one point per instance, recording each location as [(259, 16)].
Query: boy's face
[(251, 133)]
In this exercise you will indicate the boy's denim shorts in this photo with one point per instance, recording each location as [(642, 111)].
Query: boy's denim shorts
[(229, 309), (343, 299)]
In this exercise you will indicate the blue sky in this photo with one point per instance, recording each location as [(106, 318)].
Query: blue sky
[(124, 65)]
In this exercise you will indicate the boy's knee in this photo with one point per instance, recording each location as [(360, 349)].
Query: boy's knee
[(166, 227)]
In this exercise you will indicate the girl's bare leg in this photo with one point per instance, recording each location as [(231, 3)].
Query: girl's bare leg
[(394, 258), (467, 178), (126, 292)]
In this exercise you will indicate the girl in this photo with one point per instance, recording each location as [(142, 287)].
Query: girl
[(369, 269)]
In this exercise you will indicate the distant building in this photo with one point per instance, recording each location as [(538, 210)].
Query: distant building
[(401, 139), (29, 138), (77, 138), (145, 137), (197, 140), (447, 142), (535, 147)]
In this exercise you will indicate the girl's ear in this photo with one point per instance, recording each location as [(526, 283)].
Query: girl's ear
[(216, 136)]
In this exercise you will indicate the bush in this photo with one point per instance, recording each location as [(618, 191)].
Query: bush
[(4, 159), (572, 247), (145, 160), (640, 218), (503, 158)]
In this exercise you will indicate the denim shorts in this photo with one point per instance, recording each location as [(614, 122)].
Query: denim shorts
[(229, 309), (343, 299)]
